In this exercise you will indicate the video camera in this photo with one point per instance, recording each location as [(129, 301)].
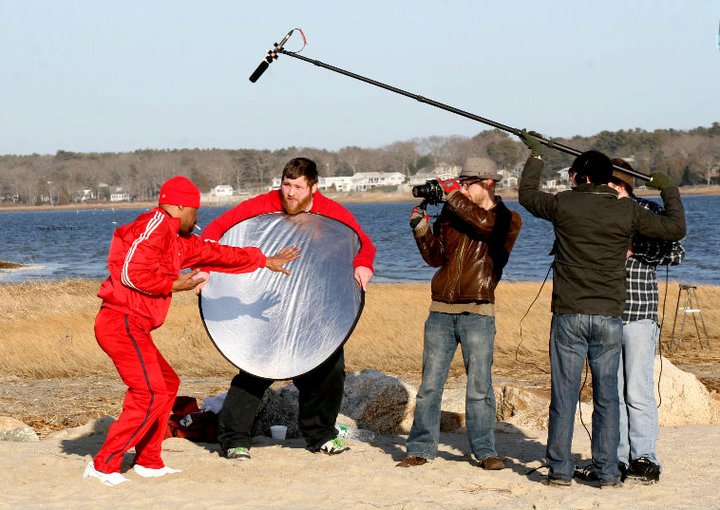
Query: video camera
[(431, 192)]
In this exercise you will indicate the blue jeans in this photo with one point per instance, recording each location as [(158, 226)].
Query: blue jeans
[(476, 336), (638, 408), (574, 337)]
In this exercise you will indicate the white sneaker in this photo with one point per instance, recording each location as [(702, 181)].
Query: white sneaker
[(154, 473), (110, 479), (334, 446)]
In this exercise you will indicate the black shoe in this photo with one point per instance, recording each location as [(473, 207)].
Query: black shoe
[(587, 474), (645, 470), (622, 467)]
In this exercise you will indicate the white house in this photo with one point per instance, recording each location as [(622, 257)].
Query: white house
[(118, 194), (365, 181), (553, 184), (509, 179), (509, 182), (222, 190), (442, 171), (84, 195), (361, 181), (339, 183)]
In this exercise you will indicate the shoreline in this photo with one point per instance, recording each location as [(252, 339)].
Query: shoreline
[(347, 198), (8, 267)]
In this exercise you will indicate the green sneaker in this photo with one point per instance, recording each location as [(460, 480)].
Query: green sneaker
[(333, 446), (238, 453)]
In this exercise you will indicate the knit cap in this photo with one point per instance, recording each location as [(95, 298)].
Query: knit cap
[(179, 190)]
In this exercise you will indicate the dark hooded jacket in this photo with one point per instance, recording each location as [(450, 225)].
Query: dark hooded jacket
[(593, 231)]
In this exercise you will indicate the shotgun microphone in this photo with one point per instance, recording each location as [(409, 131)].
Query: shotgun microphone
[(271, 55), (260, 69)]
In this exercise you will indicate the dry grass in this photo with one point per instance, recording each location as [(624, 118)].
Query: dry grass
[(48, 331), (47, 346)]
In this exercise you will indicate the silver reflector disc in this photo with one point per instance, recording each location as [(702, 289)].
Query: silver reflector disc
[(277, 326)]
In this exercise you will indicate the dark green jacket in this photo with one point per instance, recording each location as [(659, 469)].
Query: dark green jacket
[(593, 231)]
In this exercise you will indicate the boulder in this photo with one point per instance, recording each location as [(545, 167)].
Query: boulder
[(524, 408), (452, 413), (683, 398), (92, 428), (385, 404), (15, 430), (379, 402), (279, 407)]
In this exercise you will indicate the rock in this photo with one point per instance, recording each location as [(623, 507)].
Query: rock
[(92, 428), (385, 404), (528, 408), (451, 421), (278, 408), (522, 407), (379, 402), (15, 430), (684, 399), (452, 414)]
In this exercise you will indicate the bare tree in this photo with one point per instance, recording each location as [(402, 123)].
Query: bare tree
[(403, 155)]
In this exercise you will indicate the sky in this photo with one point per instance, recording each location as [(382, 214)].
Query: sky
[(94, 76)]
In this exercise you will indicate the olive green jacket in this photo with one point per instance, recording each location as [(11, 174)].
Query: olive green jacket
[(593, 231)]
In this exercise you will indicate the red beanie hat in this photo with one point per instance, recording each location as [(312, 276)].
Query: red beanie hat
[(179, 190)]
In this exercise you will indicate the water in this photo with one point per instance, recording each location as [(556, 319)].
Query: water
[(71, 244)]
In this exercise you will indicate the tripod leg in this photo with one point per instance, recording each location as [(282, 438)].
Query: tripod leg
[(702, 320), (673, 343)]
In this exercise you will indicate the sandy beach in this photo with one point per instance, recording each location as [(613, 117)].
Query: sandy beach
[(47, 474)]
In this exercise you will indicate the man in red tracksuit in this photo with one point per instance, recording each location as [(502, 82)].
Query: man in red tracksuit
[(321, 389), (145, 260)]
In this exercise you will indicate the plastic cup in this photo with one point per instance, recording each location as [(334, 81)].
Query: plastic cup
[(278, 432)]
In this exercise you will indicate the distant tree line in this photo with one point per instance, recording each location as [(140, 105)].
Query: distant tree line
[(689, 157)]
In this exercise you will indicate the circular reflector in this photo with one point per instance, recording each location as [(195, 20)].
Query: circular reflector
[(277, 326)]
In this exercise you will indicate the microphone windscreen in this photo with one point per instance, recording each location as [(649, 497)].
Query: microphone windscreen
[(258, 72)]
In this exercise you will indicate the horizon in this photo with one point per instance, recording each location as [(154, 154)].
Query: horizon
[(379, 147)]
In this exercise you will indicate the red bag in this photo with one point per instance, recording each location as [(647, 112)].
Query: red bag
[(188, 421)]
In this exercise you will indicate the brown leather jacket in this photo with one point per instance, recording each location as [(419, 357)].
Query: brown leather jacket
[(471, 247)]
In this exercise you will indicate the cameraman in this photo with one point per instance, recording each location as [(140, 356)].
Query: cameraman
[(470, 243), (593, 230)]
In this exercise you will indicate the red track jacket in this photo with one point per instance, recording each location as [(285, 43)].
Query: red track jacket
[(270, 202), (146, 257)]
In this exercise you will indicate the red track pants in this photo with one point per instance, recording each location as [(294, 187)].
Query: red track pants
[(152, 387)]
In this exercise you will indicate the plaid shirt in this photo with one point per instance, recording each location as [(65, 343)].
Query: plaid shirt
[(641, 289)]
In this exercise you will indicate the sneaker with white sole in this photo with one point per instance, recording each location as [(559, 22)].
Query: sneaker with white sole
[(238, 453), (645, 470), (154, 472), (334, 446), (110, 479)]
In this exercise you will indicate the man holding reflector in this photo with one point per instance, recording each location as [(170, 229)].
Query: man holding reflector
[(287, 330)]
